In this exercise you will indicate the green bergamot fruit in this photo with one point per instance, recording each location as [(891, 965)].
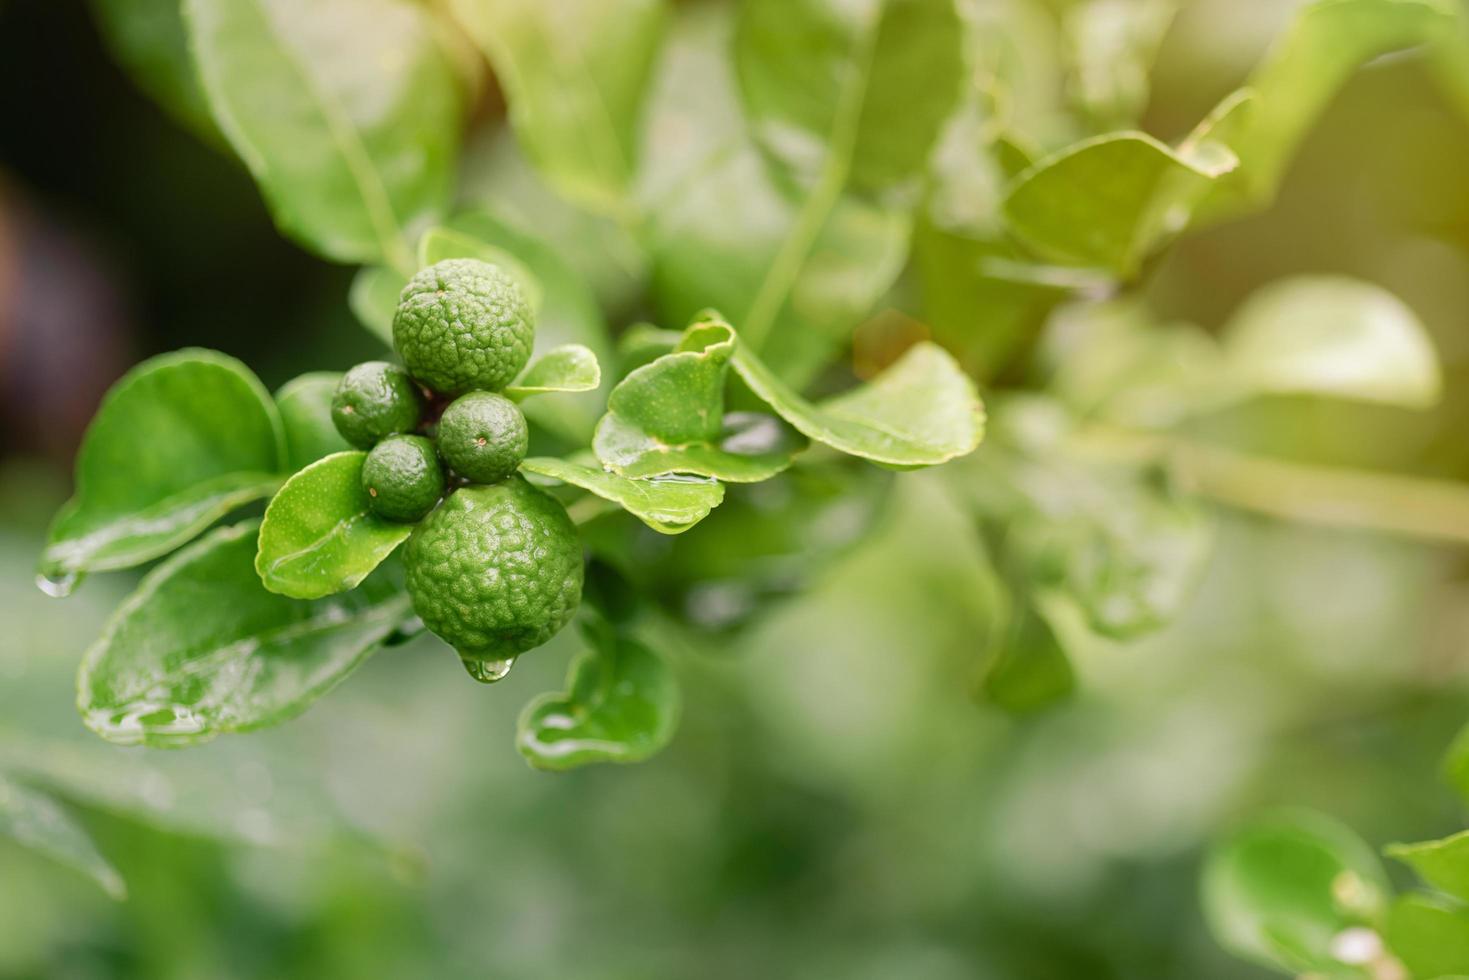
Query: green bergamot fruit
[(495, 571), (483, 436), (463, 325), (402, 478), (374, 400)]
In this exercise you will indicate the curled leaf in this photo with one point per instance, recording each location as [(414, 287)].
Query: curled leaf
[(921, 411), (570, 367), (621, 705), (670, 505), (668, 417)]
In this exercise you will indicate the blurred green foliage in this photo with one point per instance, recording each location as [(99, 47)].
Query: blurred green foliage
[(835, 803)]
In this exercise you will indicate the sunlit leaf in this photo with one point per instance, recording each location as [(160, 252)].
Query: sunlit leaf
[(1334, 336), (570, 367), (305, 405), (320, 536), (668, 417), (1108, 202), (1430, 936), (201, 648), (670, 505), (345, 111), (574, 72), (921, 411), (180, 441), (621, 705), (1279, 890), (1444, 864), (1456, 764), (38, 822)]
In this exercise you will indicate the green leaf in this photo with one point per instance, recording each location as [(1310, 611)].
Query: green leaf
[(1108, 202), (849, 90), (1430, 936), (810, 272), (668, 417), (346, 112), (305, 405), (373, 299), (320, 536), (570, 367), (621, 705), (180, 441), (1325, 44), (1029, 670), (1278, 890), (1334, 336), (670, 505), (201, 648), (574, 72), (148, 38), (38, 822), (921, 411), (1444, 864)]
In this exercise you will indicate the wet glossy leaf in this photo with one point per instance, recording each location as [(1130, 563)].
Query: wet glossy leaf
[(571, 367), (1108, 202), (574, 72), (668, 417), (1430, 935), (1334, 336), (921, 411), (38, 822), (1444, 864), (148, 38), (179, 442), (320, 536), (1281, 888), (621, 705), (1327, 41), (305, 405), (1028, 670), (346, 112), (201, 648), (857, 91), (722, 232), (670, 505)]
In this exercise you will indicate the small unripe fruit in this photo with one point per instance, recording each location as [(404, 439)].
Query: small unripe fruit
[(483, 436), (402, 478), (375, 400), (463, 325)]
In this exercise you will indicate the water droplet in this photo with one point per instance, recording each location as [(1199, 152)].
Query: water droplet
[(58, 586), (487, 671)]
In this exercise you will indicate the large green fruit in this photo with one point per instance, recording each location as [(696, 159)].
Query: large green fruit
[(495, 571)]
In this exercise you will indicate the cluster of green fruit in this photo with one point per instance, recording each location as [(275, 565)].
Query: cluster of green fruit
[(494, 567)]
